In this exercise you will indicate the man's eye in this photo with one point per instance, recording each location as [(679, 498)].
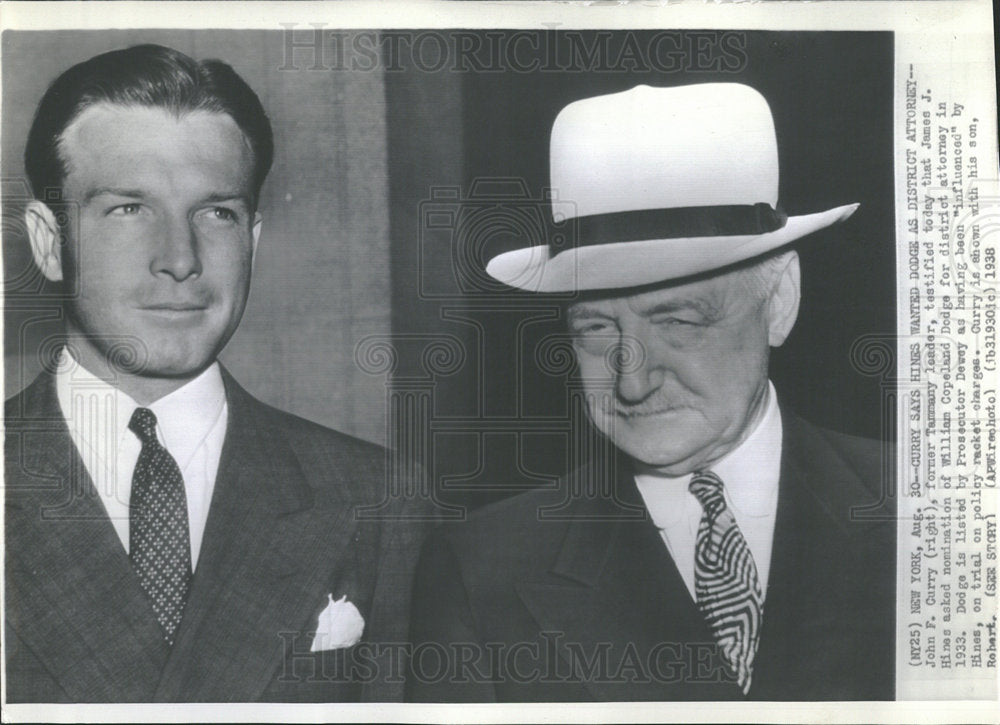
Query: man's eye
[(126, 210), (677, 322), (592, 328), (224, 214)]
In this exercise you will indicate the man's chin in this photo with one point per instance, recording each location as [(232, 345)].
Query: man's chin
[(176, 355), (177, 363), (655, 446), (176, 369), (674, 463)]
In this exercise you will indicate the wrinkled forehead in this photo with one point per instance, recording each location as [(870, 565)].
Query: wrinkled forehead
[(707, 294)]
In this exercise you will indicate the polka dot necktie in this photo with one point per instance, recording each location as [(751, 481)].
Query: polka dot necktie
[(726, 583), (159, 541)]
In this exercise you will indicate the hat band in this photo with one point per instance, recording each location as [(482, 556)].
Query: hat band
[(678, 222)]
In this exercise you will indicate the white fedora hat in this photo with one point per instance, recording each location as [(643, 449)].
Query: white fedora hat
[(659, 184)]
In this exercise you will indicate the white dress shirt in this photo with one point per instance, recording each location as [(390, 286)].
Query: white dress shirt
[(190, 424), (749, 475)]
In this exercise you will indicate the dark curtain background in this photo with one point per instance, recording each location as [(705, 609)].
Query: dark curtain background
[(468, 172)]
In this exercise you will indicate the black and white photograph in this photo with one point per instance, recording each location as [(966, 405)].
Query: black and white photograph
[(374, 366)]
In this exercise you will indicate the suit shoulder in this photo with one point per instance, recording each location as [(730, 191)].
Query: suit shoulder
[(855, 448), (505, 536), (34, 397), (535, 520), (857, 451), (864, 455), (335, 465), (13, 407), (861, 466), (304, 432), (516, 510)]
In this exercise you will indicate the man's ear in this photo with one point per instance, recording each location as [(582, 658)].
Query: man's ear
[(255, 232), (783, 304), (43, 233)]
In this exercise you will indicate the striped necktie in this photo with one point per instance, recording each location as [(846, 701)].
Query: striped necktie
[(159, 539), (726, 583)]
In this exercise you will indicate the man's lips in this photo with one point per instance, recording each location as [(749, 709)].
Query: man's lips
[(175, 307), (174, 312), (641, 411), (630, 414)]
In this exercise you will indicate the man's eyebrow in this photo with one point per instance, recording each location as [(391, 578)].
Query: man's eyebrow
[(226, 196), (701, 306), (582, 311), (113, 191), (140, 194)]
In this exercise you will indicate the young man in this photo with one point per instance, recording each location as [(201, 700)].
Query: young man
[(168, 536)]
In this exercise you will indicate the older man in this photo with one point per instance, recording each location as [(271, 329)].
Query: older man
[(718, 555), (169, 537)]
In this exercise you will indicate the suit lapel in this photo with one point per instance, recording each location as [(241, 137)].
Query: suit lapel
[(806, 647), (614, 582), (264, 568), (71, 593)]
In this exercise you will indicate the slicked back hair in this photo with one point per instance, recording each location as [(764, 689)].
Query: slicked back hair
[(142, 76)]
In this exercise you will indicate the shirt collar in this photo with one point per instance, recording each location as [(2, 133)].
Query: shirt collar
[(92, 407), (749, 472), (184, 417)]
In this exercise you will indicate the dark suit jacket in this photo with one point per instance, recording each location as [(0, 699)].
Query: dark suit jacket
[(588, 605), (282, 533)]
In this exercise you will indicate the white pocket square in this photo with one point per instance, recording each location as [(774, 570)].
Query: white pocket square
[(340, 625)]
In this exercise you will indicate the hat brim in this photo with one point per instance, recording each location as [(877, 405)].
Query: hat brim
[(633, 264)]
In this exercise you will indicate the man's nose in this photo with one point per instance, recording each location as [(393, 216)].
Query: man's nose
[(177, 254), (637, 374)]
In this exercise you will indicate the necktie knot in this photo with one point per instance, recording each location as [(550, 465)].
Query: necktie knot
[(707, 488), (143, 424)]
